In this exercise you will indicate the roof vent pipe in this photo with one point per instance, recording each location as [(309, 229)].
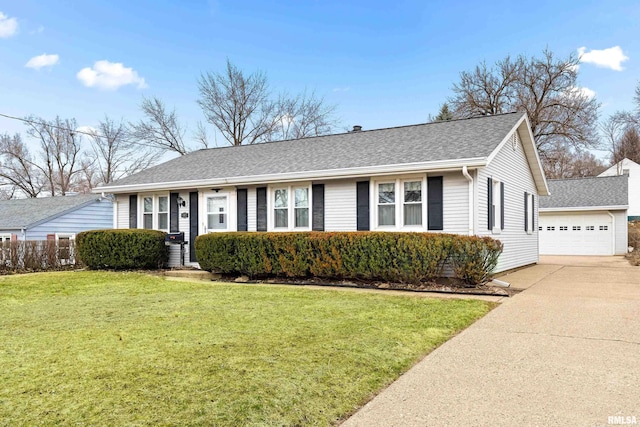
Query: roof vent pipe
[(356, 128)]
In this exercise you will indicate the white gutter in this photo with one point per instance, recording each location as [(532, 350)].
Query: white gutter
[(585, 208), (465, 172), (441, 165)]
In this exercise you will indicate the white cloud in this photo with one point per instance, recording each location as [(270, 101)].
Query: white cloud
[(38, 30), (612, 57), (583, 90), (341, 89), (87, 129), (110, 76), (8, 26), (43, 60)]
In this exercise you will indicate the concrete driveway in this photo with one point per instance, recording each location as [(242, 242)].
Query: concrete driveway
[(566, 351)]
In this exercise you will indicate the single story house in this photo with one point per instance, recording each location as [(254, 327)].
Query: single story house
[(478, 176), (632, 170), (585, 216), (48, 218)]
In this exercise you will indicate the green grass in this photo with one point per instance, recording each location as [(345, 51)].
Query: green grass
[(99, 348)]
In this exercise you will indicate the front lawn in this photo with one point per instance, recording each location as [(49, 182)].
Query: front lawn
[(99, 348)]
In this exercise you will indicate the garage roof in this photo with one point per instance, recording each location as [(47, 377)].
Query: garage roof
[(610, 192)]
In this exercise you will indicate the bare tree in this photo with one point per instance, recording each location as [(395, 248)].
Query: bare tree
[(486, 91), (546, 88), (301, 116), (562, 162), (238, 105), (115, 155), (60, 151), (160, 128), (244, 110), (18, 171)]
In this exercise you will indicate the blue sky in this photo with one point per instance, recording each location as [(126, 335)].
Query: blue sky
[(383, 63)]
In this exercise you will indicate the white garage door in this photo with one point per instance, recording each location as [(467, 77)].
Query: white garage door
[(576, 234)]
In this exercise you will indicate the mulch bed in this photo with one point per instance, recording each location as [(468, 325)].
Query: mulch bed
[(448, 286)]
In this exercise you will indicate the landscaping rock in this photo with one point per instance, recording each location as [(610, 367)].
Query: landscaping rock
[(242, 279)]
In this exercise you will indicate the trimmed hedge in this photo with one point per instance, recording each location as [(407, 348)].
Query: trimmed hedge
[(122, 249), (395, 257)]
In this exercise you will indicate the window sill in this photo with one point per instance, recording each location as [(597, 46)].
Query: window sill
[(496, 231)]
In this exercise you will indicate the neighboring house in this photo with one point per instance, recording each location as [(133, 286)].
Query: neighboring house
[(477, 176), (632, 169), (585, 216), (59, 218)]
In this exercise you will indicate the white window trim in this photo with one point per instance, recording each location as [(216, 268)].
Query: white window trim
[(399, 203), (4, 236), (154, 210), (497, 200), (271, 217), (227, 212), (70, 236), (531, 211)]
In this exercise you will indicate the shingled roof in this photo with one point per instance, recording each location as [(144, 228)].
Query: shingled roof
[(22, 213), (474, 138), (606, 191)]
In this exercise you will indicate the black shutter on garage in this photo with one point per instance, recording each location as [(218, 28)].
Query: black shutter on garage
[(502, 206), (261, 208), (533, 213), (193, 224), (173, 212), (241, 211), (490, 213), (434, 203), (526, 211), (362, 207), (133, 211), (317, 195)]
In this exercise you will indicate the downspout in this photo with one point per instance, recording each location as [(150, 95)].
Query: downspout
[(613, 229), (466, 174)]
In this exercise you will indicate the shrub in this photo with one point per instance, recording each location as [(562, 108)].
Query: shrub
[(473, 258), (396, 257), (36, 255), (122, 249)]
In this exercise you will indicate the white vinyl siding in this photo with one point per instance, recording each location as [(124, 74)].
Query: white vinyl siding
[(340, 207), (122, 219), (621, 234), (511, 167), (455, 203)]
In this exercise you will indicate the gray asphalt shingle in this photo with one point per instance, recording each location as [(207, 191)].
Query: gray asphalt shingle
[(21, 213), (452, 140), (585, 192)]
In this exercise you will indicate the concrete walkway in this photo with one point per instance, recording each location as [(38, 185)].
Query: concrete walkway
[(566, 351)]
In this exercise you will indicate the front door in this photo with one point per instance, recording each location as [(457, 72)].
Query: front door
[(216, 212)]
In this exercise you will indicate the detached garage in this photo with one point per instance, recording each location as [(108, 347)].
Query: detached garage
[(585, 216)]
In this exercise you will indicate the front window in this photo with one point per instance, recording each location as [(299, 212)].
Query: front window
[(386, 204), (412, 203), (163, 213), (281, 208), (147, 215), (301, 207), (217, 213), (65, 247)]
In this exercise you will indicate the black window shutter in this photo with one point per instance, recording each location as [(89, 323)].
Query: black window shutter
[(133, 211), (193, 224), (490, 203), (362, 208), (317, 194), (173, 213), (526, 211), (261, 208), (241, 211), (502, 206), (533, 213), (434, 203)]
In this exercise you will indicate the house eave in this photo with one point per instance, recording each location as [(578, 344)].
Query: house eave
[(585, 208), (441, 165)]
